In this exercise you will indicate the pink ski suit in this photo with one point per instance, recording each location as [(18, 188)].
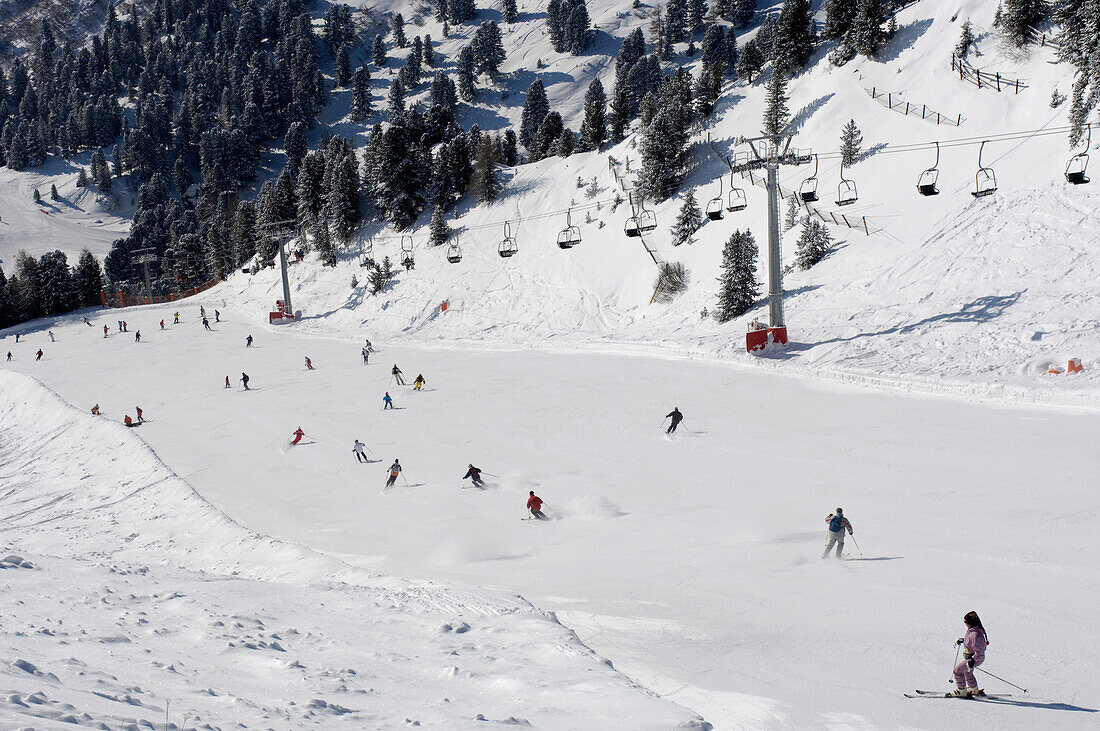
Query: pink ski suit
[(974, 644)]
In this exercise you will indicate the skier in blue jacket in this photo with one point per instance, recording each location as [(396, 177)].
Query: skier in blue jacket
[(837, 525)]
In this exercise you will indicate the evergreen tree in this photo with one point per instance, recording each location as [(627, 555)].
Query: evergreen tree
[(427, 53), (322, 242), (438, 230), (578, 32), (630, 52), (688, 221), (486, 185), (791, 216), (619, 116), (380, 276), (7, 314), (378, 51), (535, 108), (361, 104), (397, 29), (868, 35), (1020, 17), (396, 172), (776, 113), (181, 175), (56, 291), (714, 44), (396, 99), (751, 61), (556, 15), (851, 140), (54, 196), (794, 36), (82, 178), (508, 153), (696, 12), (813, 245), (465, 65), (487, 48), (663, 152), (839, 16), (594, 126), (547, 137), (737, 285), (966, 39), (341, 185), (342, 66), (37, 196), (566, 143), (295, 144), (27, 298), (509, 12), (1078, 111), (742, 12), (101, 173)]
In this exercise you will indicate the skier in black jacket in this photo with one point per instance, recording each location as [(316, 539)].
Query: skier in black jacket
[(676, 417)]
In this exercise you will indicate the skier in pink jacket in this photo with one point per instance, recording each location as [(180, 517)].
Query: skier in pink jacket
[(974, 644)]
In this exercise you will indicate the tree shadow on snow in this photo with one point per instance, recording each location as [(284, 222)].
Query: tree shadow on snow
[(905, 39), (806, 112)]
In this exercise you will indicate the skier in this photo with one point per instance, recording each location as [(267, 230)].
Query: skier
[(366, 355), (974, 644), (534, 504), (475, 476), (206, 323), (50, 333), (395, 470), (17, 338), (408, 263), (309, 363), (176, 321), (104, 331), (9, 355), (248, 342), (419, 383), (368, 346), (298, 434), (128, 421), (125, 325), (39, 354), (227, 382), (244, 380), (676, 417), (137, 336), (217, 316), (837, 525), (140, 418), (87, 322), (120, 325), (95, 410), (387, 401), (358, 449), (162, 324), (202, 312), (397, 374)]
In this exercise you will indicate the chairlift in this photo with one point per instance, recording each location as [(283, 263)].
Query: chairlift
[(846, 193), (714, 205), (985, 181), (926, 183), (569, 236), (647, 219), (1075, 168), (366, 255), (736, 200), (407, 259), (507, 245), (808, 190), (632, 229), (454, 254)]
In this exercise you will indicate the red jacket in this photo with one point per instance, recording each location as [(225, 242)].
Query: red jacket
[(534, 502)]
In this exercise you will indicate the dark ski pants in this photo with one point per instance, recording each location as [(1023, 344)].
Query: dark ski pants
[(400, 380), (538, 514), (672, 427), (393, 479), (360, 457)]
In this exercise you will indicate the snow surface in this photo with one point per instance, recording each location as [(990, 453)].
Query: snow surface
[(691, 562)]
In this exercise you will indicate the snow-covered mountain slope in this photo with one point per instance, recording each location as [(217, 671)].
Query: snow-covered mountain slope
[(691, 562), (142, 603)]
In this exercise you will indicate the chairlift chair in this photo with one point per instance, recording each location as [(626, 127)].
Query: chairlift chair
[(808, 190), (570, 236), (1075, 168), (926, 183), (366, 255), (632, 229), (736, 200), (647, 219), (985, 180), (714, 205), (846, 193), (407, 259), (507, 245), (454, 254)]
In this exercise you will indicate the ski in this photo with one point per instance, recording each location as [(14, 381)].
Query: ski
[(941, 694)]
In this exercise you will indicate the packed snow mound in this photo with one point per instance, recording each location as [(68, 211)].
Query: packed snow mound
[(146, 601)]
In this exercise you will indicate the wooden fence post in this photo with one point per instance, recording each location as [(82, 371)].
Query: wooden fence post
[(845, 219), (998, 79), (833, 216), (865, 229), (923, 110), (960, 120), (890, 100)]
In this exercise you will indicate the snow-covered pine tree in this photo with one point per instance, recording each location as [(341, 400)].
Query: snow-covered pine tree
[(742, 12), (751, 61), (54, 196), (380, 276), (791, 217), (181, 175), (323, 243), (688, 220), (295, 145), (82, 178), (594, 126), (509, 13), (867, 33), (556, 15), (427, 53), (509, 155), (813, 245), (396, 99), (578, 30), (397, 29), (630, 52), (663, 146), (776, 113), (1078, 111), (342, 66), (546, 138), (696, 13), (361, 104), (438, 230), (101, 173), (851, 140), (839, 16), (737, 285), (1019, 19), (37, 196), (465, 66), (56, 291), (487, 47), (714, 45), (341, 186), (794, 36), (966, 39), (378, 51), (618, 116), (675, 19), (535, 108), (566, 143)]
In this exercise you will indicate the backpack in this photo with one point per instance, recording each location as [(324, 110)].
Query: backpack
[(837, 523)]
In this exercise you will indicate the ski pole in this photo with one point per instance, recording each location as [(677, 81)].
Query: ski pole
[(853, 537), (405, 479), (492, 475), (998, 677), (958, 647)]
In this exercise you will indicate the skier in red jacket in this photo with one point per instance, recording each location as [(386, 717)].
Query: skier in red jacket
[(298, 434), (534, 504)]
